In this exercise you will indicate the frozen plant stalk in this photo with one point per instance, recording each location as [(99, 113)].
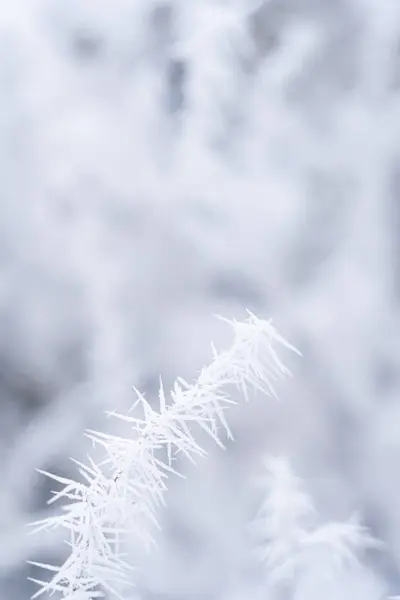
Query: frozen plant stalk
[(123, 492), (309, 558)]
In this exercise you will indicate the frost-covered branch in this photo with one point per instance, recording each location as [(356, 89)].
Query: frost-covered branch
[(123, 493), (294, 548)]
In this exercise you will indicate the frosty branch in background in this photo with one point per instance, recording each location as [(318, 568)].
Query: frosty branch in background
[(121, 495), (297, 551)]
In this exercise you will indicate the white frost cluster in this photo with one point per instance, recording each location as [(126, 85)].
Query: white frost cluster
[(122, 494), (298, 551)]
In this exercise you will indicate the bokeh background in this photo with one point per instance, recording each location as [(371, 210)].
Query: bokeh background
[(163, 161)]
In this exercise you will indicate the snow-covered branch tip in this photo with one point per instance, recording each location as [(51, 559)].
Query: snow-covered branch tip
[(122, 494)]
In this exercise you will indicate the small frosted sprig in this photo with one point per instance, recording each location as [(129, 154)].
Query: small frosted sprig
[(282, 521), (122, 494), (291, 543)]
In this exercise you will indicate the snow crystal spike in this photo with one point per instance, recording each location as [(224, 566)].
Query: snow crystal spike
[(161, 396)]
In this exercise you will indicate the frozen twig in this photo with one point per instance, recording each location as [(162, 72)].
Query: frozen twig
[(123, 493), (293, 546)]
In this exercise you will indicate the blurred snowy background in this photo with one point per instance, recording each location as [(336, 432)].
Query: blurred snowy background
[(163, 161)]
